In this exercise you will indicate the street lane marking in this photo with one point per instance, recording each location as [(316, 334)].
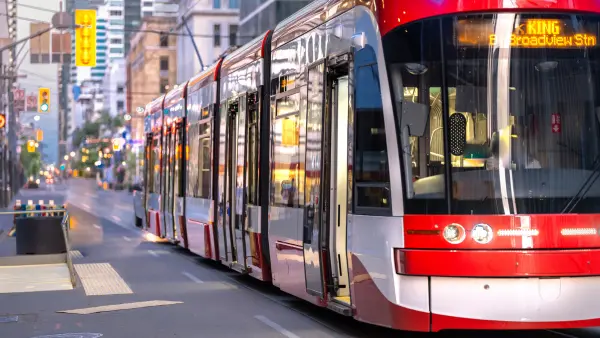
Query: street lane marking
[(101, 279), (276, 326), (89, 195), (85, 206), (118, 307), (75, 254), (97, 226), (157, 253), (116, 218), (127, 238), (192, 277)]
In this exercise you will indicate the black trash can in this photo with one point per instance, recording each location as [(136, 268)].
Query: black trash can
[(40, 236)]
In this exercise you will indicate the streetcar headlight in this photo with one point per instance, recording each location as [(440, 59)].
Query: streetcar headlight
[(454, 233), (482, 233)]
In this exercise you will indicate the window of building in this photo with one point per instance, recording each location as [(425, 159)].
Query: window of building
[(217, 35), (147, 4), (164, 40), (234, 4), (120, 89), (233, 32), (164, 63), (145, 14), (120, 105), (216, 3), (116, 50), (164, 86), (116, 41), (115, 13)]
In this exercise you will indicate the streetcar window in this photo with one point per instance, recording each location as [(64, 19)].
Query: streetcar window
[(192, 167), (287, 183), (415, 69), (371, 169), (156, 157), (525, 89), (253, 146)]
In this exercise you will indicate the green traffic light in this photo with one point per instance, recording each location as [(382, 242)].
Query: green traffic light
[(44, 107)]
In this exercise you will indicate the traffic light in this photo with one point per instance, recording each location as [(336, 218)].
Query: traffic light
[(31, 146), (85, 37), (43, 100), (39, 135)]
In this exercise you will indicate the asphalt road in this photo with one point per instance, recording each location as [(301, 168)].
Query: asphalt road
[(215, 301)]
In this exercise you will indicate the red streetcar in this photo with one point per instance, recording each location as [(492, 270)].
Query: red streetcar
[(420, 165)]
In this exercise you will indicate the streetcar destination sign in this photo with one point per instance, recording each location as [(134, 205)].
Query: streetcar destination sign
[(529, 33)]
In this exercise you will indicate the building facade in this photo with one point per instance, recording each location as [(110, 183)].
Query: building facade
[(214, 26), (116, 30), (258, 16), (89, 103), (160, 8), (151, 68), (97, 72), (132, 16), (114, 87)]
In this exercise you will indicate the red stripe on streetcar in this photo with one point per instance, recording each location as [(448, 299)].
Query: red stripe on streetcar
[(553, 231), (442, 322), (483, 263)]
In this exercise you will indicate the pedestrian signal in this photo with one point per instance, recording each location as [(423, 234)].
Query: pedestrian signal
[(2, 121), (43, 100), (31, 146), (85, 37), (116, 146)]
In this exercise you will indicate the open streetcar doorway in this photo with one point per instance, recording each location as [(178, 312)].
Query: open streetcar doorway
[(172, 171), (325, 226), (233, 234)]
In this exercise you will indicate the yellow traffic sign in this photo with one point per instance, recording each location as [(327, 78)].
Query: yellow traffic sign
[(85, 37)]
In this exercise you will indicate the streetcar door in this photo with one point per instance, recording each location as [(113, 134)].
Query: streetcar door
[(169, 191), (339, 104), (164, 186), (238, 179), (178, 193), (314, 208), (228, 184)]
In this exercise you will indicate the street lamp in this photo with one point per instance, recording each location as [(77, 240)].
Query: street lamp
[(36, 118), (66, 157), (72, 154)]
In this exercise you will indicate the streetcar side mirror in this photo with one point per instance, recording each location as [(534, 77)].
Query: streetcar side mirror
[(415, 116), (458, 134)]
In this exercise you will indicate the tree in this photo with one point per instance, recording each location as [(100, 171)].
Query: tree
[(32, 162)]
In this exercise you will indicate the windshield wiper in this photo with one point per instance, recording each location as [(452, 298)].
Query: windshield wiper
[(585, 187)]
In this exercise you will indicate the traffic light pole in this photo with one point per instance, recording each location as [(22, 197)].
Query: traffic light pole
[(9, 157)]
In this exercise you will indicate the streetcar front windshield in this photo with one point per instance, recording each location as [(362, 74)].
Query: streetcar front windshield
[(511, 102)]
